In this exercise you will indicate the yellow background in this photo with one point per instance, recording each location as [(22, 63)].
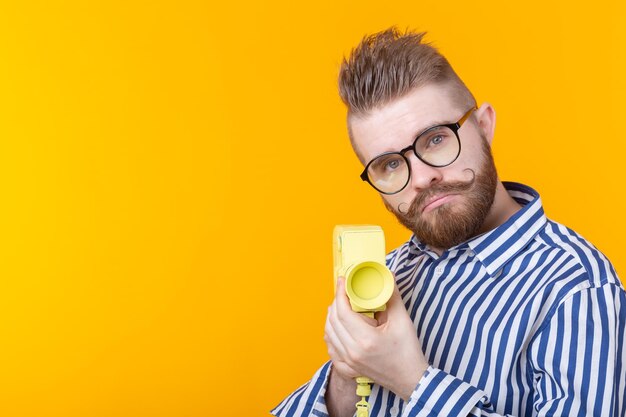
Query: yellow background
[(171, 173)]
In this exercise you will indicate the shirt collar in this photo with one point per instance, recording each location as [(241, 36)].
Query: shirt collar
[(498, 246)]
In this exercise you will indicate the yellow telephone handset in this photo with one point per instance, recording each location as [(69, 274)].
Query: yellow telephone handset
[(359, 256)]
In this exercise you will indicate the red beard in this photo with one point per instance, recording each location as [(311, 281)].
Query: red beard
[(448, 225)]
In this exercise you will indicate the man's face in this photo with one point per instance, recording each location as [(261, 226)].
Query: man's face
[(442, 206)]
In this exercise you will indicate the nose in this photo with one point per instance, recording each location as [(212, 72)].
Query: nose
[(422, 175)]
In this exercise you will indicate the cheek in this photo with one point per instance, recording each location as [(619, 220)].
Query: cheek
[(472, 153), (458, 171), (396, 200)]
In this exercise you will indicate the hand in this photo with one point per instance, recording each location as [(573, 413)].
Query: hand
[(386, 349)]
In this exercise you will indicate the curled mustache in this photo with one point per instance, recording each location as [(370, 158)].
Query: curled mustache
[(450, 187)]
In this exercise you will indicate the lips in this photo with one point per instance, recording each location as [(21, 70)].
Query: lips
[(438, 195), (436, 201)]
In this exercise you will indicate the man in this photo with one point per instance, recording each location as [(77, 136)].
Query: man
[(497, 310)]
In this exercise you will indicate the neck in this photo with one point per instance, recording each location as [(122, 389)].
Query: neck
[(503, 207)]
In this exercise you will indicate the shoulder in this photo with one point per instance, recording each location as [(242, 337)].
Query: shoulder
[(406, 255), (406, 261), (596, 267), (398, 256)]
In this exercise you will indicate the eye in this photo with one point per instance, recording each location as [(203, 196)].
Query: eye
[(436, 140), (386, 164), (393, 164)]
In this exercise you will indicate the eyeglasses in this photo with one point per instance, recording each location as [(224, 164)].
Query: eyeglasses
[(438, 146)]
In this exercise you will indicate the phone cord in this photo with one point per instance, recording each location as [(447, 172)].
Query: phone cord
[(363, 389)]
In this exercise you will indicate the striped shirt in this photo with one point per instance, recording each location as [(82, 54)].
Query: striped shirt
[(525, 320)]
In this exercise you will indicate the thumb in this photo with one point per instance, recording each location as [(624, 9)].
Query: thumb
[(395, 302), (395, 306)]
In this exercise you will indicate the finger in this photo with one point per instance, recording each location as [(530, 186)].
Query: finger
[(381, 317), (345, 370), (342, 337), (341, 298), (356, 324), (336, 349), (395, 303), (339, 330), (353, 322)]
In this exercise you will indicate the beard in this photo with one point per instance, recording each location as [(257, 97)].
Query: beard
[(448, 225)]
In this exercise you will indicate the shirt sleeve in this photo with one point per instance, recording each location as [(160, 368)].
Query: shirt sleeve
[(576, 364), (308, 400)]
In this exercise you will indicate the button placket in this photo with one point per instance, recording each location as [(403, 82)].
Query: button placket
[(438, 271)]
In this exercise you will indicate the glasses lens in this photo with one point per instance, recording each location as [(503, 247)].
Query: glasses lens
[(388, 173), (438, 146)]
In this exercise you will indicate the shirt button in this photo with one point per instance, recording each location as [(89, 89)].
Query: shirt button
[(394, 411), (438, 271)]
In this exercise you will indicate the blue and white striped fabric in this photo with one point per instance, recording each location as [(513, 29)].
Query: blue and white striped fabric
[(526, 320)]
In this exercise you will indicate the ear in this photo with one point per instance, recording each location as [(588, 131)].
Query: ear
[(486, 116)]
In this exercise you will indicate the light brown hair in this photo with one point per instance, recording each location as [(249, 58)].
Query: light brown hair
[(388, 65)]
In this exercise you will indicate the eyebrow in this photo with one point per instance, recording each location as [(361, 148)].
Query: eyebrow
[(433, 124), (419, 132)]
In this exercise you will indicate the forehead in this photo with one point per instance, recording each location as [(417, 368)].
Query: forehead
[(395, 125)]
